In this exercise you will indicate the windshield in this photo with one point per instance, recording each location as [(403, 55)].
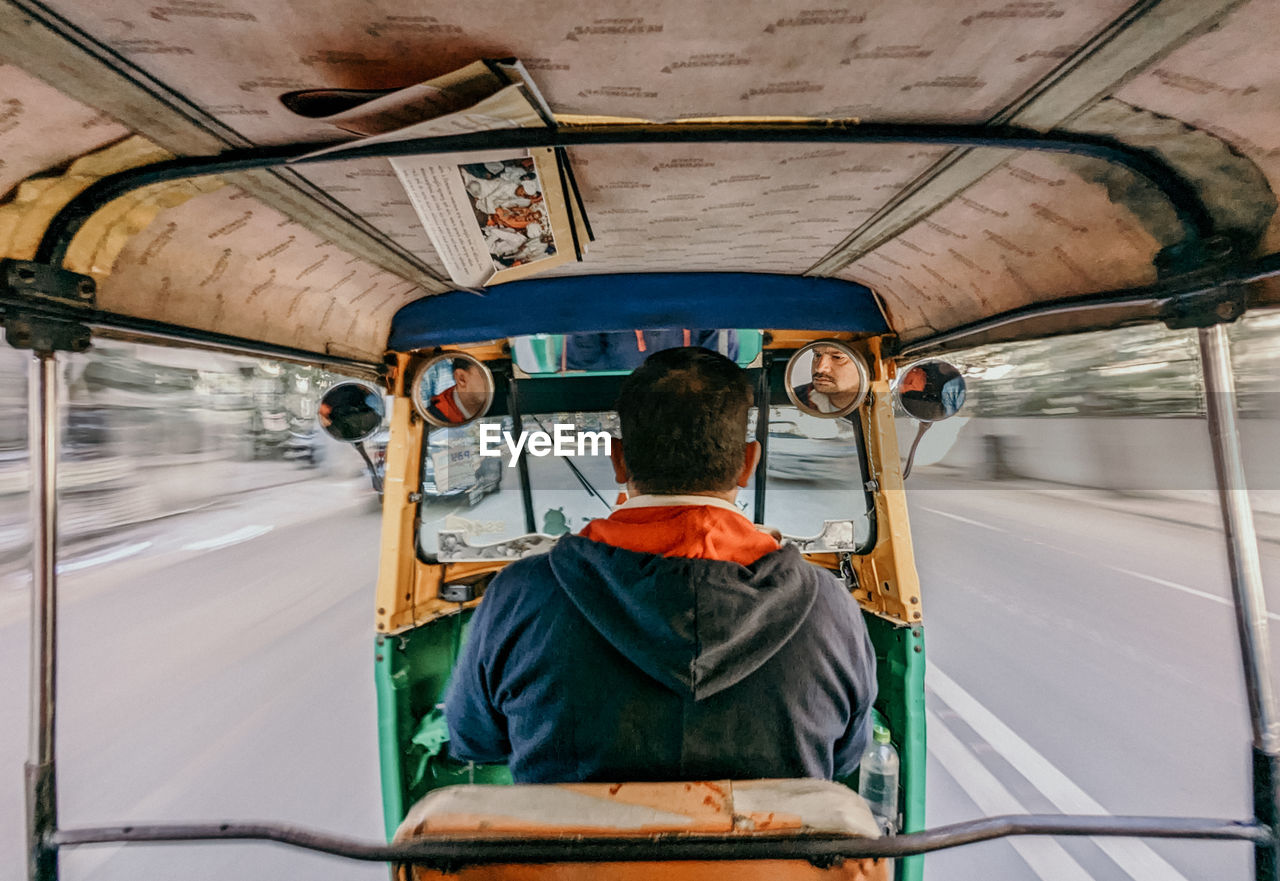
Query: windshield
[(815, 473), (545, 354)]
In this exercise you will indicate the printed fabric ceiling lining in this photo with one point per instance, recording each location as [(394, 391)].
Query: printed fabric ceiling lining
[(938, 252)]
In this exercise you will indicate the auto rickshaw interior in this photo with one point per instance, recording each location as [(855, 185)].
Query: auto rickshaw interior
[(911, 178), (425, 603)]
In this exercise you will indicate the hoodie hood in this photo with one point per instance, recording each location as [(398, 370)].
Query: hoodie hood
[(697, 626), (702, 531)]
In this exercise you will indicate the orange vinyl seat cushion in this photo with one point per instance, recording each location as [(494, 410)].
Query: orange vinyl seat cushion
[(721, 809)]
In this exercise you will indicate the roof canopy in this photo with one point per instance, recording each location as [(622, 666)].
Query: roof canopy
[(637, 301), (320, 258)]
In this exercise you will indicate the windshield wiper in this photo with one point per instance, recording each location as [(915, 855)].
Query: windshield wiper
[(582, 478)]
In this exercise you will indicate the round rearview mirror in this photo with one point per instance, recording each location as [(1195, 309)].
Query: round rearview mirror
[(351, 412), (930, 390), (452, 389), (827, 379)]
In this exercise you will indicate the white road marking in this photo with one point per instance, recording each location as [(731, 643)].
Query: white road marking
[(1151, 578), (1045, 856), (245, 533), (105, 557), (1182, 587), (1131, 855), (963, 519)]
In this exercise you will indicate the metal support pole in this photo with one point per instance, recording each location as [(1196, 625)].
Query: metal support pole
[(1246, 582), (762, 435), (522, 464), (42, 420)]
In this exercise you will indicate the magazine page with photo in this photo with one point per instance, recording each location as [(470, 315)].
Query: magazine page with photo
[(491, 217)]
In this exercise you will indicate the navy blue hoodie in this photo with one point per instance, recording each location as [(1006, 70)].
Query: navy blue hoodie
[(595, 663)]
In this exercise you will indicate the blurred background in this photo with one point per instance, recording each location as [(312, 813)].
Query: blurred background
[(149, 432), (218, 557), (1122, 411)]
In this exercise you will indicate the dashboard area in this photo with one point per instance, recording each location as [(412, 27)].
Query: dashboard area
[(455, 545)]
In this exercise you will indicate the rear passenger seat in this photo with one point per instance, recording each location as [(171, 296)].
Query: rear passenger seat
[(743, 808)]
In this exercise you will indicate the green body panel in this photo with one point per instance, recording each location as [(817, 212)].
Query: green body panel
[(900, 674), (412, 670), (388, 746)]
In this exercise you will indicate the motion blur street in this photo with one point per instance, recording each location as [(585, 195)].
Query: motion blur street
[(1082, 659), (219, 666), (216, 638)]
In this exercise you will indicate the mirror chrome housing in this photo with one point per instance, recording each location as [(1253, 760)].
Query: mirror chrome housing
[(452, 389), (928, 391), (352, 412), (827, 379)]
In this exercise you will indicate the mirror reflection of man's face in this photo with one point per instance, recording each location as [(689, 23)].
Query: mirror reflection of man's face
[(834, 374), (470, 387), (914, 381)]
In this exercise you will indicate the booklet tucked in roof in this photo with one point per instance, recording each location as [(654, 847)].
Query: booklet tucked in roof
[(492, 217)]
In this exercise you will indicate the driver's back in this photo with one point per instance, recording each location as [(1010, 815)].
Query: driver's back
[(595, 662)]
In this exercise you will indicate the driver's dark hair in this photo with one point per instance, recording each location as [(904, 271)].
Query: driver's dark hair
[(683, 415)]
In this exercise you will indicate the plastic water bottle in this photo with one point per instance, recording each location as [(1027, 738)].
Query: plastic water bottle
[(878, 779)]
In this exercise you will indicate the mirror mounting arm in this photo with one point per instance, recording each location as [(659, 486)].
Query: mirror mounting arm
[(911, 456), (373, 471)]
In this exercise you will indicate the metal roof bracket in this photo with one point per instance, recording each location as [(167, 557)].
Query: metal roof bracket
[(1218, 305), (39, 303)]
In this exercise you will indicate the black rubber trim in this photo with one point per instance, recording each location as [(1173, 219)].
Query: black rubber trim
[(450, 854), (143, 329), (1155, 296), (1196, 219)]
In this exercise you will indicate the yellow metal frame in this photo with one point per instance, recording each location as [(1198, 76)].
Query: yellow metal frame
[(888, 583), (408, 588), (887, 574), (794, 339)]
